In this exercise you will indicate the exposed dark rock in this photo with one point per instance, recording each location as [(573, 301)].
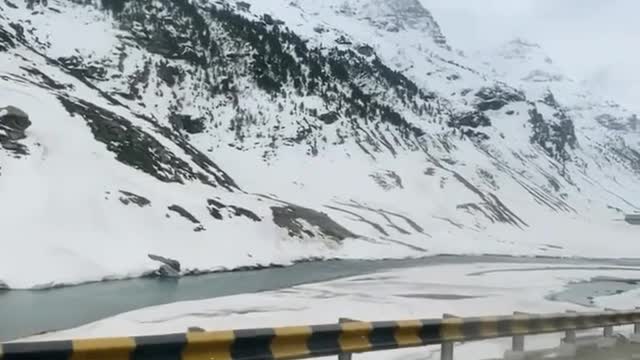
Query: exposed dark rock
[(13, 118), (633, 219), (495, 98), (360, 218), (12, 134), (79, 68), (221, 178), (138, 80), (215, 212), (131, 198), (365, 50), (268, 19), (488, 178), (215, 208), (243, 6), (184, 213), (501, 212), (507, 94), (611, 122), (3, 286), (19, 30), (175, 264), (13, 124), (12, 146), (330, 117), (467, 122), (555, 136), (239, 211), (387, 215), (138, 149), (633, 122), (342, 40), (171, 75), (45, 81), (6, 40), (187, 123), (216, 204), (550, 99), (289, 216), (493, 104), (170, 267), (471, 206), (31, 4), (473, 120), (10, 4), (496, 210), (387, 180), (624, 154)]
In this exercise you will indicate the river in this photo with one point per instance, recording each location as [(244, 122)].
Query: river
[(27, 312)]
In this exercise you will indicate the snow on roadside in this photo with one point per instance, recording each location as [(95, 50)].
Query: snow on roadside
[(422, 292)]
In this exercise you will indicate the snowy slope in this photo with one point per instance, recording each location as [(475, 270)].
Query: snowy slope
[(226, 134)]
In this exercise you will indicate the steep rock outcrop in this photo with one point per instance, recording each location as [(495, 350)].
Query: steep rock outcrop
[(13, 124)]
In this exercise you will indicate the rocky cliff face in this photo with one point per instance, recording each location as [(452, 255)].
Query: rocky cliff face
[(223, 134)]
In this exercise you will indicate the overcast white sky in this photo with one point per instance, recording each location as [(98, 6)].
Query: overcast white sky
[(593, 40)]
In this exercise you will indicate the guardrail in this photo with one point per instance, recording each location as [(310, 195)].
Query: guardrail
[(303, 342)]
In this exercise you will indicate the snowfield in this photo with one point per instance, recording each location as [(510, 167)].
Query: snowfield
[(170, 128), (416, 293)]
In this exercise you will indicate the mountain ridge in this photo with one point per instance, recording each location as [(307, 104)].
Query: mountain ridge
[(265, 137)]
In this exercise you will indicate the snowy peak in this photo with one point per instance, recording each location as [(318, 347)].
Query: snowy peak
[(522, 60), (391, 16), (522, 50), (396, 15)]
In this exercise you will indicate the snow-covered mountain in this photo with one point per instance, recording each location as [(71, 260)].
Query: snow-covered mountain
[(225, 134)]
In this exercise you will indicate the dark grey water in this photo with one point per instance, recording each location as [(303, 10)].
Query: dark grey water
[(583, 293), (27, 312)]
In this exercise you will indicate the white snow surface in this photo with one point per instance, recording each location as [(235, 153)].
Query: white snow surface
[(62, 220), (415, 293)]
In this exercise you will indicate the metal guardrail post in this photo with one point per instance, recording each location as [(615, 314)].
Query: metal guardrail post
[(517, 343), (446, 349), (635, 337), (345, 356), (608, 330), (570, 335)]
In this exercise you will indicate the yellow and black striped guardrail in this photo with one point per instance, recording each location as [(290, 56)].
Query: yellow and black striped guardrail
[(302, 342)]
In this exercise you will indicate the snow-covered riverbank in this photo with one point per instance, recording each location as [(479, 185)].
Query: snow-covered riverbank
[(420, 292)]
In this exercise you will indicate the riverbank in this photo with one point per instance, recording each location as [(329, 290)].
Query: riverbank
[(463, 289), (27, 312)]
